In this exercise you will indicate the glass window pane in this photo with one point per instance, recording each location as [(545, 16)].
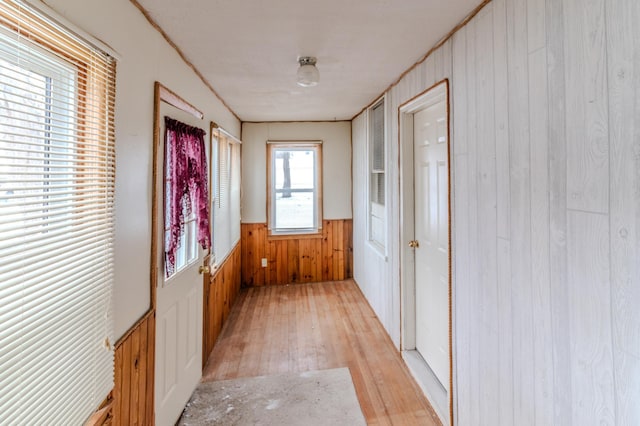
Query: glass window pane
[(377, 188), (192, 241), (294, 169), (377, 137), (377, 194), (294, 196), (295, 211), (187, 251)]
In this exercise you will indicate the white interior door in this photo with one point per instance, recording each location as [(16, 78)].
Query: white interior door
[(431, 178), (179, 301)]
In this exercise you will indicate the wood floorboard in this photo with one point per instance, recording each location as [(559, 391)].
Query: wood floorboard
[(303, 327)]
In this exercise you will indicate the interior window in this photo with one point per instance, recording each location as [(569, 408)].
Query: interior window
[(377, 182)]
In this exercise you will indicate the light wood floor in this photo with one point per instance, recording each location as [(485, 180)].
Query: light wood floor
[(304, 327)]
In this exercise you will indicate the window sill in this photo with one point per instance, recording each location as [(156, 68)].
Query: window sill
[(296, 236)]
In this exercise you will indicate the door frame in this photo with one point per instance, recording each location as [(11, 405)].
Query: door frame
[(440, 91), (161, 95)]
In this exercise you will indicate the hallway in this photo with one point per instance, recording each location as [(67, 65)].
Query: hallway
[(305, 327)]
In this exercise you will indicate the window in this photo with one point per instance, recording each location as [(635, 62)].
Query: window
[(234, 190), (57, 179), (214, 167), (225, 181), (186, 195), (294, 176), (187, 250), (377, 174)]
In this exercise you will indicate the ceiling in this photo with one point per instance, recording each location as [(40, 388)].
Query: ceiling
[(248, 49)]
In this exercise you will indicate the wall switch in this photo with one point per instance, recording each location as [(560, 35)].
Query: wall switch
[(264, 262)]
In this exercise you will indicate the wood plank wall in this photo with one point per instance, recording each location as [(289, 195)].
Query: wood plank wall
[(134, 375), (546, 201), (220, 293), (313, 259), (546, 125)]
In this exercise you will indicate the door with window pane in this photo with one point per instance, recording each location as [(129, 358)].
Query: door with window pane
[(179, 300)]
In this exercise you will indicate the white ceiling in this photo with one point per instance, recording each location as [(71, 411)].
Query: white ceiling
[(248, 49)]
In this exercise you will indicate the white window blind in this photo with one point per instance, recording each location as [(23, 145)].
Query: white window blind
[(226, 212), (57, 170), (234, 210), (221, 223), (377, 174), (223, 171), (377, 154)]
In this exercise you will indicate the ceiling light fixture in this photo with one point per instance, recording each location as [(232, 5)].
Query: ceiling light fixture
[(308, 74)]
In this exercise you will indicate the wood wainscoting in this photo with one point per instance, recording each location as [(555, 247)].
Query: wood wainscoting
[(134, 374), (325, 257), (220, 291)]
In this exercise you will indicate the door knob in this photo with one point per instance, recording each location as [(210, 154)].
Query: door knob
[(414, 244), (204, 269)]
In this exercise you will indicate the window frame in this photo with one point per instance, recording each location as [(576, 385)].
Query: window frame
[(79, 243), (226, 193), (52, 69), (214, 189), (188, 252), (377, 211), (316, 146)]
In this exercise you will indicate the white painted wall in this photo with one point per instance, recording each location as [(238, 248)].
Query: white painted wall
[(336, 169), (145, 58), (546, 180), (372, 267)]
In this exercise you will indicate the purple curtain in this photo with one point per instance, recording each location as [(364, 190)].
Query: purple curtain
[(187, 188)]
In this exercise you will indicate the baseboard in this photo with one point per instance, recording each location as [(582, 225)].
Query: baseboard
[(429, 383)]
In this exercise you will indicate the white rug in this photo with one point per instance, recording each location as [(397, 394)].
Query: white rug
[(314, 398)]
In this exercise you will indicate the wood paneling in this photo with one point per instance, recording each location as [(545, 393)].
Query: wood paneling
[(546, 211), (324, 257), (220, 292), (623, 64), (305, 327), (556, 76), (134, 375)]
